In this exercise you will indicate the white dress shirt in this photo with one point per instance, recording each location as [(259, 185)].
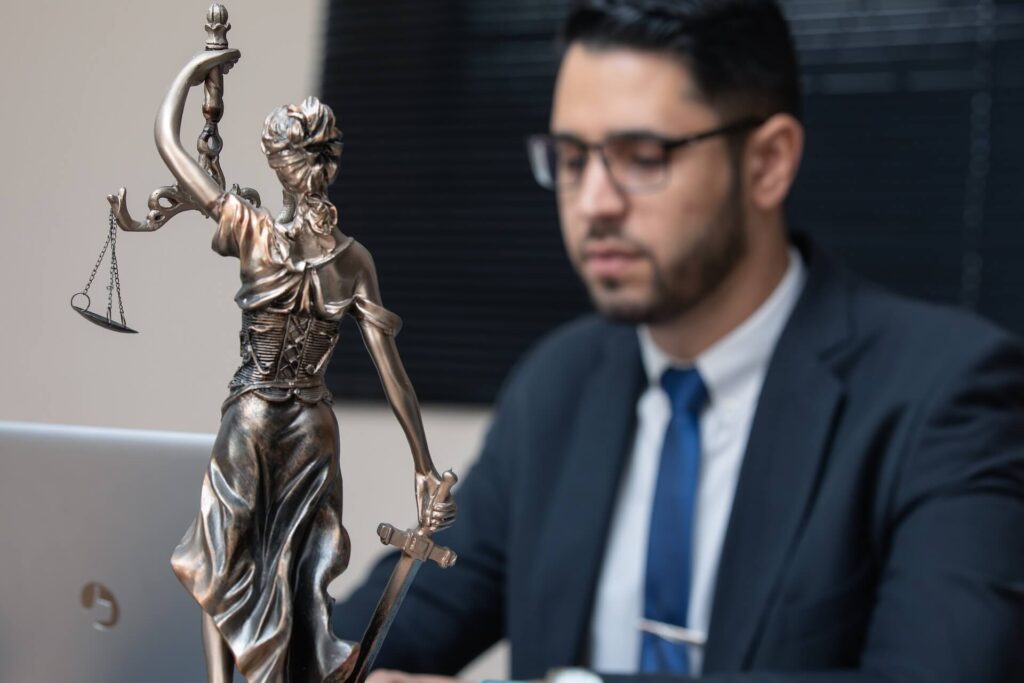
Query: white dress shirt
[(733, 371)]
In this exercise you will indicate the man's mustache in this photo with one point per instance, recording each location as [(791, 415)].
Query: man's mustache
[(602, 230), (605, 232)]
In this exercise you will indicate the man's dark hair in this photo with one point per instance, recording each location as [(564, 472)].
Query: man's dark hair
[(740, 52)]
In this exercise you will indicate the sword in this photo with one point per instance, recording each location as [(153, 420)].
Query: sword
[(417, 547)]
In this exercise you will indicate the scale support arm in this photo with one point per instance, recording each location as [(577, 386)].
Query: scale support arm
[(200, 183)]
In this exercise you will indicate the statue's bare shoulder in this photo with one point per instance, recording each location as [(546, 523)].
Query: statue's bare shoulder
[(359, 264)]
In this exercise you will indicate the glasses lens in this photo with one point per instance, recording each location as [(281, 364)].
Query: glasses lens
[(637, 162), (556, 162), (538, 151)]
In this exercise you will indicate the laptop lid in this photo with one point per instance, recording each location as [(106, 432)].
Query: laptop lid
[(88, 520)]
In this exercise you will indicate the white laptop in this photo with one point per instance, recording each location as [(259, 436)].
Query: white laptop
[(88, 520)]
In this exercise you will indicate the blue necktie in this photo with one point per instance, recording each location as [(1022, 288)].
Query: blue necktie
[(670, 543)]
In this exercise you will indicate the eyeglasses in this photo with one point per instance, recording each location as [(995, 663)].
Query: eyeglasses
[(636, 162)]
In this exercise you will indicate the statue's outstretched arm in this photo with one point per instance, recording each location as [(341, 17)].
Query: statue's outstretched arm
[(378, 327), (191, 177)]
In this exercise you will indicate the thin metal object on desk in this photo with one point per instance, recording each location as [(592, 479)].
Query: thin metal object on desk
[(673, 633)]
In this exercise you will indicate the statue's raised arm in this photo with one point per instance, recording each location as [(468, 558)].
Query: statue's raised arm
[(191, 177), (200, 181)]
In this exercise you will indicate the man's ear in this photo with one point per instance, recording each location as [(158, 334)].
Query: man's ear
[(772, 156)]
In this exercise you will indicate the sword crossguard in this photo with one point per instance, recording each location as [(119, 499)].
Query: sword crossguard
[(416, 545)]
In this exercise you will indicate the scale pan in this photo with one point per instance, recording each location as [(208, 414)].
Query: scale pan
[(103, 321)]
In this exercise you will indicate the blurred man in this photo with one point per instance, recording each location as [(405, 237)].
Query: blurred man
[(751, 466)]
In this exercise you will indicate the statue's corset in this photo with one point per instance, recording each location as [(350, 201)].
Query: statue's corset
[(284, 355)]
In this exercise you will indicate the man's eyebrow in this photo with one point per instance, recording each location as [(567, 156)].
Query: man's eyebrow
[(635, 133)]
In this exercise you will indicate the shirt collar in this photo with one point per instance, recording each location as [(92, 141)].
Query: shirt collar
[(746, 349)]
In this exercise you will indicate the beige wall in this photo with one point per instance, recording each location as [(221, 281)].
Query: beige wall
[(81, 83)]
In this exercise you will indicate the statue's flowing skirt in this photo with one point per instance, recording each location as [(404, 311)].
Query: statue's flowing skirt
[(268, 539)]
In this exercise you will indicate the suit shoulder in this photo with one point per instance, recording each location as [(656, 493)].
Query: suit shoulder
[(925, 335), (570, 352), (923, 319)]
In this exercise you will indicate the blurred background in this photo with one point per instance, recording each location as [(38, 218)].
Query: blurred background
[(913, 172), (913, 176)]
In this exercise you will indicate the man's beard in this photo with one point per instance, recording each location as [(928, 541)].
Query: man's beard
[(689, 280)]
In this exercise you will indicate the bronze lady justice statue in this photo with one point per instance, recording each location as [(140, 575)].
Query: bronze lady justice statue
[(268, 538)]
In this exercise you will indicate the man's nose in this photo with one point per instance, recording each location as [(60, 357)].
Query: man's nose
[(599, 195)]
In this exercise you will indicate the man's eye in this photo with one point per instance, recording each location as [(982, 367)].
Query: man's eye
[(646, 161), (575, 162)]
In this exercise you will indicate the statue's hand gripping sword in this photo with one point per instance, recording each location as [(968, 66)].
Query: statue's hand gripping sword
[(417, 547)]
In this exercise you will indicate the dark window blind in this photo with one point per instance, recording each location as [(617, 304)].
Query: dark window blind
[(913, 174)]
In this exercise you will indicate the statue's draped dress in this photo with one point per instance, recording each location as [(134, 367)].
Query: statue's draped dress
[(268, 538)]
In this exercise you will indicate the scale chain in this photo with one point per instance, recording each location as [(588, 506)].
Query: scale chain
[(95, 268), (115, 278), (113, 285)]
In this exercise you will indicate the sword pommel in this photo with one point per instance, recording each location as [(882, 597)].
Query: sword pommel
[(417, 546)]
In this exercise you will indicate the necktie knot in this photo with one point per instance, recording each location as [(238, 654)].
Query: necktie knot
[(685, 389)]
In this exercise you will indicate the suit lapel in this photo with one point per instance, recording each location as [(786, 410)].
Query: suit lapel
[(790, 436), (570, 549)]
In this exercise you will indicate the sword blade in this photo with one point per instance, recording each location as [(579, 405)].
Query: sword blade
[(383, 616)]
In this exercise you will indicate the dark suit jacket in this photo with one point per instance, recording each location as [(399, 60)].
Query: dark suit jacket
[(877, 532)]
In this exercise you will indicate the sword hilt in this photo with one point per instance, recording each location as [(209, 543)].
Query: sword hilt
[(417, 545), (448, 480)]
